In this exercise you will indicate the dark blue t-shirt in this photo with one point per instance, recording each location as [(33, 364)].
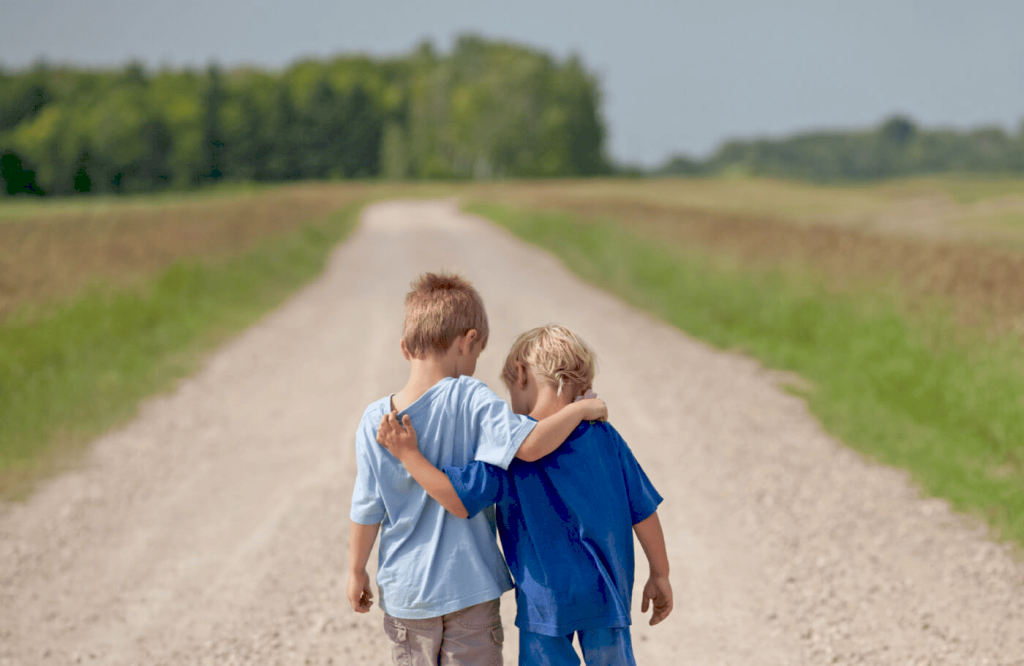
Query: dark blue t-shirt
[(566, 526)]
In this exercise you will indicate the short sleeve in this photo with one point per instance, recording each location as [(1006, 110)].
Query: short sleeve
[(478, 485), (643, 498), (367, 503), (500, 431)]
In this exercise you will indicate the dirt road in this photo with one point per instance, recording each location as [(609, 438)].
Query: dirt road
[(212, 529)]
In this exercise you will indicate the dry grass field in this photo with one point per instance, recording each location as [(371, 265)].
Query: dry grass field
[(952, 243), (53, 251), (977, 209), (956, 245)]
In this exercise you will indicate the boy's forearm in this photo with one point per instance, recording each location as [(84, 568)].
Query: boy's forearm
[(435, 482), (549, 433), (360, 544), (652, 540)]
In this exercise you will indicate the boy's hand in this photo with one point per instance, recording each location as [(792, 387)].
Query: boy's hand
[(398, 438), (594, 409), (359, 593), (659, 591)]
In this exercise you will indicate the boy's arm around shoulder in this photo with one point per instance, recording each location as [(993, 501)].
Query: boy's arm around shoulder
[(400, 439), (462, 491), (550, 432)]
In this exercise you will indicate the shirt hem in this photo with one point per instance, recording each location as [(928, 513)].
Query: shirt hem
[(363, 520), (650, 513), (450, 607), (576, 625), (517, 443)]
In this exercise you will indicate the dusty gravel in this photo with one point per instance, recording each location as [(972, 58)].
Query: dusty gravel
[(212, 529)]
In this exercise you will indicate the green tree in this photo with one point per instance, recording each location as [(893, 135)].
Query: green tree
[(898, 131), (486, 109), (361, 128), (212, 131), (245, 145), (394, 152), (82, 181), (585, 130), (17, 178), (284, 160), (23, 96)]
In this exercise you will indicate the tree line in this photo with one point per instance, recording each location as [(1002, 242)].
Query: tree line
[(894, 148), (487, 109)]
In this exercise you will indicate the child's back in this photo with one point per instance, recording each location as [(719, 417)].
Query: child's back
[(566, 524), (431, 563)]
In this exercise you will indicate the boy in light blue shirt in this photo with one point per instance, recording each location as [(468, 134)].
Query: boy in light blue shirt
[(440, 577)]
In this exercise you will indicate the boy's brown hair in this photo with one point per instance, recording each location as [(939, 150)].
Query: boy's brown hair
[(556, 355), (440, 308)]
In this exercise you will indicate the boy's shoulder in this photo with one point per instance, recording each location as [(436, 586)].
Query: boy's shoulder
[(447, 391), (377, 409), (467, 388), (470, 383), (598, 436), (596, 430)]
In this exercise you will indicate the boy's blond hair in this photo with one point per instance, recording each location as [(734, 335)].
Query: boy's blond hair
[(440, 308), (556, 355)]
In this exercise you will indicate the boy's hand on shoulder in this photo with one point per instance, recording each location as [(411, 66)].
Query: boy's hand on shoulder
[(659, 592), (398, 438), (593, 409)]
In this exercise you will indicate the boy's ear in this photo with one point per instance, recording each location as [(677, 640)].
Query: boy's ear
[(469, 338), (405, 350), (521, 377)]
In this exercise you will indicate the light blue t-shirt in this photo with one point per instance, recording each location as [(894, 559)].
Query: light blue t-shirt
[(431, 563)]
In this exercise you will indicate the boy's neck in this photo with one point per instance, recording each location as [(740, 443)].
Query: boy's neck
[(548, 402), (424, 374)]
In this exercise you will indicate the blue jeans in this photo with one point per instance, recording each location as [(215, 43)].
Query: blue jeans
[(601, 647)]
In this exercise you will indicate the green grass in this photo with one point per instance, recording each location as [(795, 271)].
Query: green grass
[(87, 364), (905, 391), (972, 188)]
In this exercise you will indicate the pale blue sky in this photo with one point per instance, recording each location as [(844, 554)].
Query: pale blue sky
[(676, 76)]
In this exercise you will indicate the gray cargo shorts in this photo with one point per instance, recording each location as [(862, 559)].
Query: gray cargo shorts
[(468, 637)]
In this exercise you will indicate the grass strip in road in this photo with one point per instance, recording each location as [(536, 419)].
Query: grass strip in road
[(903, 390), (87, 364)]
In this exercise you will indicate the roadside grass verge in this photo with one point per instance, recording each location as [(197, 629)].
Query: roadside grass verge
[(913, 391), (85, 366)]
